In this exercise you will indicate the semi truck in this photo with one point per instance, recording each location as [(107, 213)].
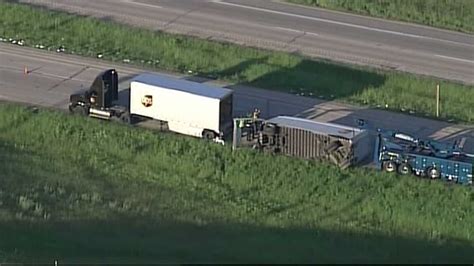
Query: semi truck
[(404, 154), (185, 107), (303, 138), (101, 99)]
